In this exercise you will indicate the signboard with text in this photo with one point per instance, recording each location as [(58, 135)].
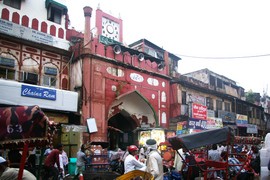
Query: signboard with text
[(38, 92), (199, 111), (198, 124), (241, 120)]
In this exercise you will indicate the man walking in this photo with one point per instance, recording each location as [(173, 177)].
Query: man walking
[(81, 160), (154, 163)]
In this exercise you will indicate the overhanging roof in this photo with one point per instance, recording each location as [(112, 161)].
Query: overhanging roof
[(56, 4)]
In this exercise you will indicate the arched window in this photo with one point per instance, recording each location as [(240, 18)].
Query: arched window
[(52, 30), (25, 21), (44, 27), (5, 14), (35, 24), (16, 18)]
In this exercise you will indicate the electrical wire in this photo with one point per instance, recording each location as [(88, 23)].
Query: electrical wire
[(229, 57)]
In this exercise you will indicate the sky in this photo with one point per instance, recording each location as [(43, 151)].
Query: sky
[(229, 37)]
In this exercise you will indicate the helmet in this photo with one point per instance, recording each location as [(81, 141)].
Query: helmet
[(132, 148)]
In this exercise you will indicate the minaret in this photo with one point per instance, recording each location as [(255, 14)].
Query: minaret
[(87, 29), (87, 70)]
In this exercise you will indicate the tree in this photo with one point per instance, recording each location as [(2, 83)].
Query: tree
[(252, 97)]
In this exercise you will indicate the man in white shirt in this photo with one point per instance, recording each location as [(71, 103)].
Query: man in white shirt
[(154, 161), (131, 163)]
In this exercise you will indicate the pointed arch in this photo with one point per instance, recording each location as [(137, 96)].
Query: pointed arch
[(137, 106)]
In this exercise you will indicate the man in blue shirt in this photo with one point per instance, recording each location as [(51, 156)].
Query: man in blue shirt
[(81, 160)]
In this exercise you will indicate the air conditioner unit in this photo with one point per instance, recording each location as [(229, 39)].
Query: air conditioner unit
[(31, 78)]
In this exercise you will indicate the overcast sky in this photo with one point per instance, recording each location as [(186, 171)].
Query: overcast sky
[(229, 37)]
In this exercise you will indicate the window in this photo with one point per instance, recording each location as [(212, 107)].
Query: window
[(49, 81), (30, 78), (219, 83), (54, 15), (13, 3), (6, 73), (258, 113), (184, 97), (209, 103), (218, 105), (227, 106), (55, 11), (212, 81)]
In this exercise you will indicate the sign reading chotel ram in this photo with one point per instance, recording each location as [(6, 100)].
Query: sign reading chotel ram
[(38, 92)]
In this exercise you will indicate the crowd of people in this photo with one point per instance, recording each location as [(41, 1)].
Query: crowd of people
[(243, 161), (146, 158)]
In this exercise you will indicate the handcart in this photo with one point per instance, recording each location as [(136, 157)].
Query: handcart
[(98, 167), (202, 140)]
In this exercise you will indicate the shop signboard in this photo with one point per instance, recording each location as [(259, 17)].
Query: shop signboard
[(227, 117), (144, 135), (214, 123), (199, 111), (181, 128), (157, 134), (252, 129), (241, 120), (197, 124)]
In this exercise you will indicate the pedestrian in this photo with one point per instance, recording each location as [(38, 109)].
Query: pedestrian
[(154, 164), (214, 155), (81, 160), (7, 173), (65, 161), (131, 163), (141, 154), (50, 161), (48, 150), (31, 161), (234, 167), (14, 157)]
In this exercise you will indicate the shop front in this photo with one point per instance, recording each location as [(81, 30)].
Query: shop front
[(60, 106)]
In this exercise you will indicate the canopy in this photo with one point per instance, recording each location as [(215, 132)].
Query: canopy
[(22, 123), (200, 139)]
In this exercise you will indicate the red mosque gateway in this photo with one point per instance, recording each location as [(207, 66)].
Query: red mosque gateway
[(122, 87)]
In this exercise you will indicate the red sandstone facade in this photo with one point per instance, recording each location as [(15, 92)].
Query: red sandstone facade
[(120, 91)]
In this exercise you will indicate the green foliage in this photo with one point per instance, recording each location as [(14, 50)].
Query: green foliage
[(250, 96)]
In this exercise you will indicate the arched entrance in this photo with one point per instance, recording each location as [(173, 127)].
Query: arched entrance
[(127, 112)]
